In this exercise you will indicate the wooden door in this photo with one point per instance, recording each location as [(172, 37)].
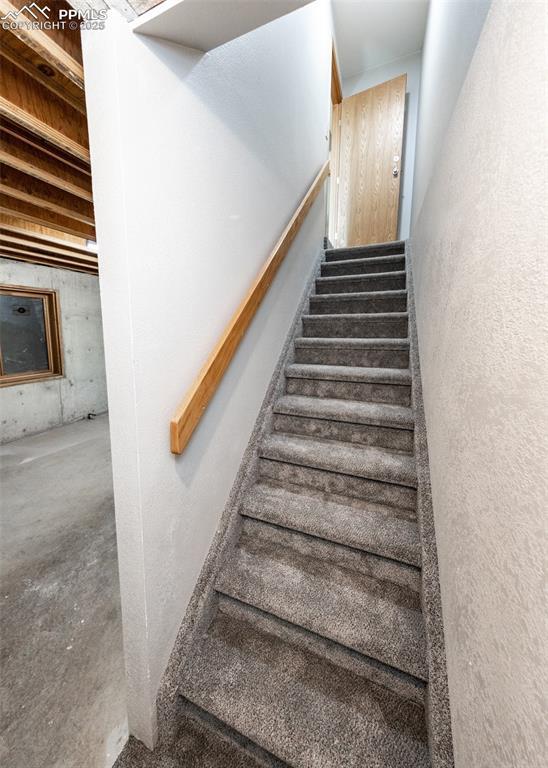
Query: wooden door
[(369, 165)]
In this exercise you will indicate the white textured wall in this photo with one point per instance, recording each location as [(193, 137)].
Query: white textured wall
[(479, 254), (39, 405), (411, 66), (198, 163), (452, 32)]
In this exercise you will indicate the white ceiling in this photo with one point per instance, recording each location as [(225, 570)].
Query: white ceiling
[(370, 33)]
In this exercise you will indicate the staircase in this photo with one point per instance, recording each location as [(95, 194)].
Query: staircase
[(315, 655)]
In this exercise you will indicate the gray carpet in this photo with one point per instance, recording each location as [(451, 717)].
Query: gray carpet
[(315, 653)]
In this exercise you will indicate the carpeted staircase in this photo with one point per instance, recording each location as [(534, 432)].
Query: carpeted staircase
[(315, 654)]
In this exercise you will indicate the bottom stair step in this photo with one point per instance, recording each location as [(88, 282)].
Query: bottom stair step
[(299, 707), (198, 741)]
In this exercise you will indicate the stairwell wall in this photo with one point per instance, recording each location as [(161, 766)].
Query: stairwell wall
[(198, 163), (479, 259)]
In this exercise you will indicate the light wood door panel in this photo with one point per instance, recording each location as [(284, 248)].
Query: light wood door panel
[(371, 134)]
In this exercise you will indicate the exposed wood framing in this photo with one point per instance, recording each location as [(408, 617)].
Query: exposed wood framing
[(33, 213), (47, 47), (32, 190), (18, 154), (27, 103), (39, 68), (46, 205)]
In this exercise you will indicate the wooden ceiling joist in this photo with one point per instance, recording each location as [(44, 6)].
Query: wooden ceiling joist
[(33, 213), (36, 192), (46, 203), (47, 260), (24, 158), (47, 47), (39, 69), (30, 105), (45, 237), (17, 242), (43, 248), (40, 145)]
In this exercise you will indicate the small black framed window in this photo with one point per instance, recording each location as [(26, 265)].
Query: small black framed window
[(30, 335)]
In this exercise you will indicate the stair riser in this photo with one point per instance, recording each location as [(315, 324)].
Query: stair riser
[(256, 534), (394, 282), (331, 482), (394, 394), (332, 268), (388, 546), (362, 434), (330, 327), (367, 252), (334, 306), (408, 687), (366, 358)]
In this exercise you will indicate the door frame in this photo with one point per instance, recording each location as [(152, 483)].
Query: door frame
[(334, 146)]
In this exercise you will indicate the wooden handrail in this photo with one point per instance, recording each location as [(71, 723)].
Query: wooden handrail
[(197, 399)]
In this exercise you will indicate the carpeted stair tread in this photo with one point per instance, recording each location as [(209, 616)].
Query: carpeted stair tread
[(299, 707), (402, 684), (199, 741), (355, 352), (361, 301), (369, 343), (400, 376), (365, 251), (346, 410), (363, 266), (377, 528), (357, 325), (372, 615), (342, 458), (376, 281)]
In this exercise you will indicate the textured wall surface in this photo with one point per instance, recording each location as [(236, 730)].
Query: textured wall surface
[(480, 249), (452, 32), (411, 66), (39, 405), (199, 162)]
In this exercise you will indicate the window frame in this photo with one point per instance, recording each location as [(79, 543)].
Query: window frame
[(52, 324)]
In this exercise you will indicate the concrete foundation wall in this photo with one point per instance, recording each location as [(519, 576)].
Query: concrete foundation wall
[(36, 406)]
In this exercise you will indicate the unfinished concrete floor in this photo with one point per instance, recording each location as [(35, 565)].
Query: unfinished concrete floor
[(62, 669)]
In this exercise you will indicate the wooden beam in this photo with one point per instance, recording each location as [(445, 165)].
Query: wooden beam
[(198, 397), (48, 261), (36, 192), (30, 245), (47, 47), (43, 147), (42, 237), (30, 105), (23, 157), (23, 210), (36, 66)]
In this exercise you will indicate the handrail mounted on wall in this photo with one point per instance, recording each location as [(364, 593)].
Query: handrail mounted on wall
[(190, 411)]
